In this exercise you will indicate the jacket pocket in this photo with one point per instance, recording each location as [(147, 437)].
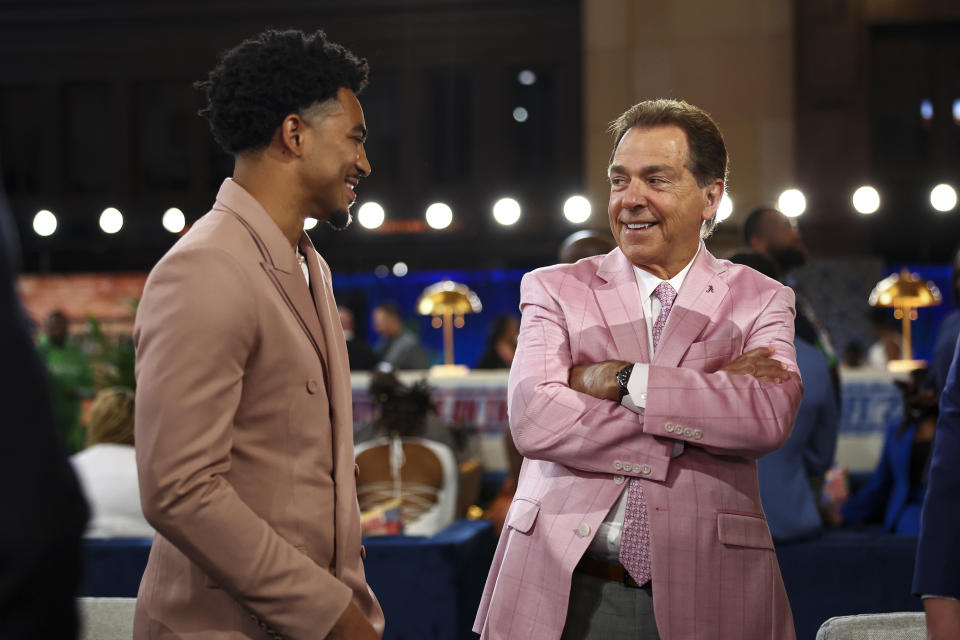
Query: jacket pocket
[(743, 530), (523, 513)]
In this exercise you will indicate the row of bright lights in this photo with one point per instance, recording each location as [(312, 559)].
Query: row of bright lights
[(506, 211), (866, 200)]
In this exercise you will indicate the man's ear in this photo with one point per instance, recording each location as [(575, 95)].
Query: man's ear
[(713, 193), (291, 134)]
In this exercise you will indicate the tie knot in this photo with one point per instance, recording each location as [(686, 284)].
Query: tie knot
[(665, 294)]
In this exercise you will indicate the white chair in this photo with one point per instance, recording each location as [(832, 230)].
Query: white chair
[(106, 618), (875, 626), (421, 472)]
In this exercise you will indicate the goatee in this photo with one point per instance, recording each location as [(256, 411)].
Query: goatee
[(340, 219)]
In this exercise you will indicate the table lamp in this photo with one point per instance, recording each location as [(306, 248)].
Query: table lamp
[(448, 302), (905, 292)]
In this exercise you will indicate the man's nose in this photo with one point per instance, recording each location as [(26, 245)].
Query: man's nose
[(634, 195), (363, 164)]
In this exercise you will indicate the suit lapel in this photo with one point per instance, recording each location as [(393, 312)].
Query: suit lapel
[(619, 301), (699, 297), (278, 259)]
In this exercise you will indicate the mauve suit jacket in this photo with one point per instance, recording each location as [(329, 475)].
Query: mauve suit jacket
[(244, 437), (715, 574)]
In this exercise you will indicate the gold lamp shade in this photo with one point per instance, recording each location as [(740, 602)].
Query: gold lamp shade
[(905, 292), (448, 301)]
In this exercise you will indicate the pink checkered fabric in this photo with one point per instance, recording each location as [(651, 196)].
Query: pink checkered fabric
[(635, 537)]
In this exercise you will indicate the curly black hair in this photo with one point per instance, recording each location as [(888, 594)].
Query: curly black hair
[(264, 79)]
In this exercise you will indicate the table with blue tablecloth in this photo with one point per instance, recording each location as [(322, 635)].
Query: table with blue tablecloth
[(429, 588)]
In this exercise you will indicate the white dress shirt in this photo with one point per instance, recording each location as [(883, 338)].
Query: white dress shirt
[(605, 545)]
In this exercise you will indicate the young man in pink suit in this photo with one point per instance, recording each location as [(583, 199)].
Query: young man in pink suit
[(645, 385), (244, 423)]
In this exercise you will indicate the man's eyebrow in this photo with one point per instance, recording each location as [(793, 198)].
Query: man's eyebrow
[(654, 168)]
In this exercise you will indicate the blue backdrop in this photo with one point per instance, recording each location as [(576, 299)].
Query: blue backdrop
[(498, 290)]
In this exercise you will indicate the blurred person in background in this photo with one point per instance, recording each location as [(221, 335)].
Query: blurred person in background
[(894, 494), (947, 333), (501, 343), (360, 354), (888, 342), (937, 572), (769, 232), (244, 422), (44, 512), (399, 347), (791, 478), (71, 379), (583, 244), (107, 468)]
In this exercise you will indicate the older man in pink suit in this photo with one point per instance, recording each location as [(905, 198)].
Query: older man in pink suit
[(645, 385), (243, 417)]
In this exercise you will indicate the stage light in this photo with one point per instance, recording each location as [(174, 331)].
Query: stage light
[(381, 271), (926, 110), (520, 114), (309, 223), (956, 112), (866, 200), (173, 220), (370, 215), (792, 203), (576, 209), (526, 77), (111, 220), (725, 208), (506, 211), (943, 197), (439, 215), (44, 223), (400, 269)]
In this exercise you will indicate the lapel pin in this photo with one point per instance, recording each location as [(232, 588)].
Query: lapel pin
[(710, 289)]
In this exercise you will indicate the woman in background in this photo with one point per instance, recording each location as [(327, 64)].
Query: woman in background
[(107, 469)]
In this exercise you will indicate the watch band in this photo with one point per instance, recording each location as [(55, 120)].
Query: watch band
[(623, 378)]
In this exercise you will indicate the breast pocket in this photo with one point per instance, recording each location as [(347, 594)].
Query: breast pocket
[(709, 355)]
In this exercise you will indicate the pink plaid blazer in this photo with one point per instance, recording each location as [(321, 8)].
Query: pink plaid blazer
[(715, 573)]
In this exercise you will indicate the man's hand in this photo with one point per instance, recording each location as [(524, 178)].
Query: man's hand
[(760, 364), (353, 625), (598, 380), (943, 618)]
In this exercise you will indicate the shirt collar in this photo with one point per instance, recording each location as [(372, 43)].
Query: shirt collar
[(648, 282)]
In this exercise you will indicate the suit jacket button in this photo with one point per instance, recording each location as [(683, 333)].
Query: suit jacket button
[(618, 479), (645, 470), (636, 468), (312, 385), (697, 434), (583, 530), (688, 432), (668, 427), (363, 552), (617, 465)]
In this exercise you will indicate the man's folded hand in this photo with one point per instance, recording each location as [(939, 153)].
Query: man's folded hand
[(598, 380), (760, 364)]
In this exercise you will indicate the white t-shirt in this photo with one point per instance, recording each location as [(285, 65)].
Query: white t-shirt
[(108, 477)]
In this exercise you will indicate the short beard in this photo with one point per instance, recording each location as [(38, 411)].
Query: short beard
[(340, 219)]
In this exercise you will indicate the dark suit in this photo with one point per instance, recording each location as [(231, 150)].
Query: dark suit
[(44, 512), (938, 559)]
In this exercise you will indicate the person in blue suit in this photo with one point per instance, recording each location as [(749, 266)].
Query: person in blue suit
[(937, 572), (898, 484), (786, 474), (947, 333), (790, 477)]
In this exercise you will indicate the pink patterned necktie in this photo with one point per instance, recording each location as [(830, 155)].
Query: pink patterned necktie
[(635, 536)]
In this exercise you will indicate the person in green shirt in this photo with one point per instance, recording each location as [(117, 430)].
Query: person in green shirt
[(71, 380)]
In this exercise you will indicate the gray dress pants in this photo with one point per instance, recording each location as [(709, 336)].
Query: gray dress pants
[(606, 610)]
